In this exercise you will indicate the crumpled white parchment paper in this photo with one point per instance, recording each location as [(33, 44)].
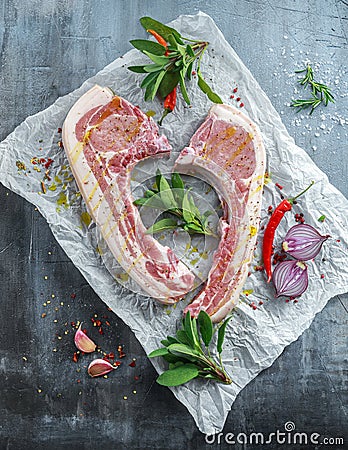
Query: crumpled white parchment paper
[(254, 339)]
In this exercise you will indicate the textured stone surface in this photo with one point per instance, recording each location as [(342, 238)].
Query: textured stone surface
[(47, 48)]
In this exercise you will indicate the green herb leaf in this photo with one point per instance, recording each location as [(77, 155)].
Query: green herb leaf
[(183, 89), (320, 92), (176, 364), (221, 334), (177, 182), (193, 227), (205, 327), (179, 375), (184, 351), (158, 179), (190, 326), (150, 78), (172, 359), (140, 201), (161, 60), (149, 193), (149, 46), (163, 30), (152, 68), (182, 337), (167, 194), (169, 82), (158, 352), (322, 218), (137, 69), (156, 84), (186, 209), (189, 352), (203, 85), (178, 188), (162, 225)]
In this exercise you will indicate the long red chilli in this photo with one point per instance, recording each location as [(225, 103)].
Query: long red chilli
[(170, 100), (274, 221)]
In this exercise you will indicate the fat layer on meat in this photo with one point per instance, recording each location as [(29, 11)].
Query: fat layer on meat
[(104, 137), (227, 152)]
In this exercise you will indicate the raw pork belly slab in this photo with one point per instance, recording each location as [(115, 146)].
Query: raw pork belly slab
[(227, 152), (104, 137)]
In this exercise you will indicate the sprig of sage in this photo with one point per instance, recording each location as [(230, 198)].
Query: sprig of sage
[(188, 353), (172, 197), (172, 65)]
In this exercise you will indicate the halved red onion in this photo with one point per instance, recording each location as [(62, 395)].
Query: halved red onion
[(290, 278), (303, 242)]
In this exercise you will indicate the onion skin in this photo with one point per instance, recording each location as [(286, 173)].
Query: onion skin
[(303, 242), (290, 278)]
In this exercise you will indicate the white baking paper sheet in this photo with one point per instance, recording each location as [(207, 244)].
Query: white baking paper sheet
[(255, 338)]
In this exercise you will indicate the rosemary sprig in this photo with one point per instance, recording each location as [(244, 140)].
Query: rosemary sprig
[(188, 352), (172, 197), (320, 92), (171, 65)]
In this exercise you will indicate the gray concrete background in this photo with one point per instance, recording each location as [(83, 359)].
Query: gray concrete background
[(47, 49)]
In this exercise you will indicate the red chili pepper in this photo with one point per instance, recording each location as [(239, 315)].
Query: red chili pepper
[(169, 105), (158, 37), (170, 100), (268, 238)]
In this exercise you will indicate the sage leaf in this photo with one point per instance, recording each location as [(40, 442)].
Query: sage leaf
[(137, 69), (148, 79), (184, 351), (150, 46), (189, 70), (190, 326), (204, 86), (186, 209), (163, 30), (149, 194), (158, 179), (221, 334), (158, 352), (172, 41), (162, 225), (152, 68), (182, 337), (205, 327), (140, 201), (177, 182), (189, 51), (170, 80), (156, 84), (179, 375), (166, 194), (176, 364), (161, 60), (193, 227), (183, 89), (178, 188), (173, 359)]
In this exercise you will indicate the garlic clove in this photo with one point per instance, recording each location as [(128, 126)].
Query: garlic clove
[(99, 367), (83, 342)]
